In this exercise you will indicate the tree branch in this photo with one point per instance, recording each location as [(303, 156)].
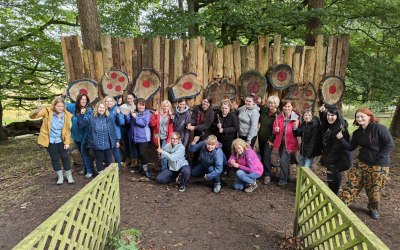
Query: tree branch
[(31, 34)]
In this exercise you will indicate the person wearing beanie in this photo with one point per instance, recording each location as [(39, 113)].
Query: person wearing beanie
[(371, 168), (334, 156)]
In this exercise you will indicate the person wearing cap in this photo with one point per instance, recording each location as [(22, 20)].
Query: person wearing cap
[(371, 168), (285, 141), (311, 138), (334, 155), (268, 113), (248, 116)]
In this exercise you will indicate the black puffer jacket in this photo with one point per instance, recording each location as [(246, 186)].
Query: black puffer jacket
[(230, 125), (311, 138), (334, 154)]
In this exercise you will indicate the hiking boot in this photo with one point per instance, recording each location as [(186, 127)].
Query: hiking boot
[(267, 179), (250, 188), (217, 188), (374, 214), (182, 189), (127, 162)]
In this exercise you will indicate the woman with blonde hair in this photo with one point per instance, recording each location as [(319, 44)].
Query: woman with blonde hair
[(268, 113), (55, 135), (102, 136), (211, 160), (371, 168), (248, 165), (162, 125)]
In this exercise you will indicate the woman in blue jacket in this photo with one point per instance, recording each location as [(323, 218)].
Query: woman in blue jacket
[(102, 135), (211, 160), (80, 135), (118, 118), (140, 133)]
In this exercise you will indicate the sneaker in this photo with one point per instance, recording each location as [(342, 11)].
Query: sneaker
[(267, 180), (182, 189), (282, 183), (82, 171), (374, 214), (100, 172), (88, 176), (217, 188), (250, 188)]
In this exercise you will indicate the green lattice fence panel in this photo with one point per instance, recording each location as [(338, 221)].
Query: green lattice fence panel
[(322, 221), (83, 222)]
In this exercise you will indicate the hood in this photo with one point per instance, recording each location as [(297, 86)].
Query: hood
[(183, 111)]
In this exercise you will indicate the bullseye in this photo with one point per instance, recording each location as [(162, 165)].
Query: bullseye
[(146, 84), (332, 90), (281, 76), (109, 86), (118, 88), (114, 75), (121, 79), (187, 85), (83, 92)]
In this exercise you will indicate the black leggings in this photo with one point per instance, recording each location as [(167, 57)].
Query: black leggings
[(141, 148), (334, 178), (57, 152)]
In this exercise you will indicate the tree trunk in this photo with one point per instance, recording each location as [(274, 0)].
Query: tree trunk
[(3, 135), (90, 25), (314, 24), (193, 8), (395, 124)]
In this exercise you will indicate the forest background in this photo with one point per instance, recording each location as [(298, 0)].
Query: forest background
[(31, 64)]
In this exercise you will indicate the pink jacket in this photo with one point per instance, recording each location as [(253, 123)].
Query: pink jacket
[(248, 161), (290, 140)]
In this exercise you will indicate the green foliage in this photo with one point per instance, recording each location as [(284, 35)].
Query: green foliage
[(124, 240), (31, 61)]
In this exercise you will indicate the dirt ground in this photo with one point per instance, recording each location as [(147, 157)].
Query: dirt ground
[(168, 219)]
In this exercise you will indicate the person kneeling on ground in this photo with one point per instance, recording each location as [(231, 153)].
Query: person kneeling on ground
[(174, 153), (211, 160), (248, 164)]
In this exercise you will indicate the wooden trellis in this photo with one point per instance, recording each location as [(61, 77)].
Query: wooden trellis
[(172, 58), (322, 221), (83, 222)]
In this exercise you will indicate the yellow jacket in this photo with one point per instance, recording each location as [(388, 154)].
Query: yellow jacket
[(44, 135)]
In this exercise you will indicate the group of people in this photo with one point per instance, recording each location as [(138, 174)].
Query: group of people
[(223, 142)]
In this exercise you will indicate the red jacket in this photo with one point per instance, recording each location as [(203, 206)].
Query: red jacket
[(290, 140), (155, 124)]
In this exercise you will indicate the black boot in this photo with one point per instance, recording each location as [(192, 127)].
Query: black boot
[(146, 171)]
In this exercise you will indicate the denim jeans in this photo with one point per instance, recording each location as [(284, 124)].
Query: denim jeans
[(168, 176), (84, 150), (265, 152), (164, 161), (117, 156), (305, 162), (199, 171), (103, 156), (57, 152), (243, 178), (284, 164)]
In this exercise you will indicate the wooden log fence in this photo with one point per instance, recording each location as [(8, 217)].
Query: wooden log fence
[(172, 58)]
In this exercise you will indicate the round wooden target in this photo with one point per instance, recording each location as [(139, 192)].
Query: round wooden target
[(83, 86), (302, 96), (219, 91), (332, 89), (147, 84), (280, 76), (114, 83), (254, 82), (187, 86)]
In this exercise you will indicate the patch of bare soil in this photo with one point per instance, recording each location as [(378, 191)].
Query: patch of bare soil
[(194, 219)]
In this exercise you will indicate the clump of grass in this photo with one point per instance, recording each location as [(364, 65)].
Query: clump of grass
[(127, 239)]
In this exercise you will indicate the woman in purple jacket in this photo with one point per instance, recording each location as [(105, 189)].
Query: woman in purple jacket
[(140, 133), (248, 164)]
